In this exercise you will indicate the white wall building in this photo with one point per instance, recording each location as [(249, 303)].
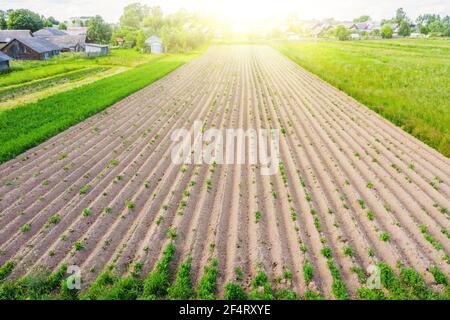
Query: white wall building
[(155, 44)]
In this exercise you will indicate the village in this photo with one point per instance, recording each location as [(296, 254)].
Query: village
[(192, 32), (51, 41)]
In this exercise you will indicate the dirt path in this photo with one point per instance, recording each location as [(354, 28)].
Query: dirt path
[(348, 176)]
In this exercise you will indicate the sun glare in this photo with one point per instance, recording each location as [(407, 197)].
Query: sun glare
[(246, 16)]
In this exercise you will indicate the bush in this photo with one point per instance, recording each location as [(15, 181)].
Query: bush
[(157, 282), (387, 32), (207, 286), (182, 287), (341, 33), (234, 291)]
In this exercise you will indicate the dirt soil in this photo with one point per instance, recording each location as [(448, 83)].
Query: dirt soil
[(349, 176)]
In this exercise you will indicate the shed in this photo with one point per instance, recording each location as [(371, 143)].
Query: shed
[(4, 61), (93, 49), (49, 32), (31, 49), (8, 35), (155, 44)]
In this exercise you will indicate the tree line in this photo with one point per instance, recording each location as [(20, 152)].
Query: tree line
[(24, 19), (179, 31), (400, 23)]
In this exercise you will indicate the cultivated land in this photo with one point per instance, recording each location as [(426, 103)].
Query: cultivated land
[(30, 81), (26, 125), (352, 190), (404, 80)]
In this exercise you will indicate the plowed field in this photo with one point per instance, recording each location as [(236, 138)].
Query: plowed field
[(353, 190)]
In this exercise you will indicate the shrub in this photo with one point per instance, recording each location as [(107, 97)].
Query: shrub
[(234, 291)]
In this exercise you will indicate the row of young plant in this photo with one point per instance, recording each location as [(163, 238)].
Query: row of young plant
[(409, 276), (409, 284)]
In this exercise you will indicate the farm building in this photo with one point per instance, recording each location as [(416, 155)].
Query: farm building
[(49, 32), (31, 49), (93, 49), (4, 62), (155, 44), (7, 35), (68, 43)]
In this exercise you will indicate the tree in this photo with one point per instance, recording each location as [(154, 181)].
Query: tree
[(426, 19), (405, 29), (53, 21), (24, 19), (133, 15), (387, 32), (98, 30), (47, 23), (364, 18), (424, 30), (62, 26), (154, 21), (400, 15), (292, 22), (436, 28), (341, 33), (3, 16), (446, 26), (375, 32)]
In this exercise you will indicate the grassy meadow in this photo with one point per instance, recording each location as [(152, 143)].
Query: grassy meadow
[(27, 78), (405, 80), (27, 125)]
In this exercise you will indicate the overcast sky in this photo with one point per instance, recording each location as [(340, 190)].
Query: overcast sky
[(238, 9)]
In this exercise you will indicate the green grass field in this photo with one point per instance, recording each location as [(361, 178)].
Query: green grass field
[(407, 80), (24, 71), (25, 126), (30, 76)]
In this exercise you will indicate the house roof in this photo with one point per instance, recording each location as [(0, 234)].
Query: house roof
[(8, 35), (49, 32), (40, 45), (153, 39), (68, 41), (4, 57), (362, 26)]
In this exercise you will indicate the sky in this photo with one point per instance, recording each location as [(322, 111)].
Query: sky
[(240, 11)]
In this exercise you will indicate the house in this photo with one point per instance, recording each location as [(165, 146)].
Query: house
[(49, 32), (31, 48), (7, 35), (355, 36), (77, 31), (4, 62), (321, 30), (69, 43), (93, 49), (155, 44)]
